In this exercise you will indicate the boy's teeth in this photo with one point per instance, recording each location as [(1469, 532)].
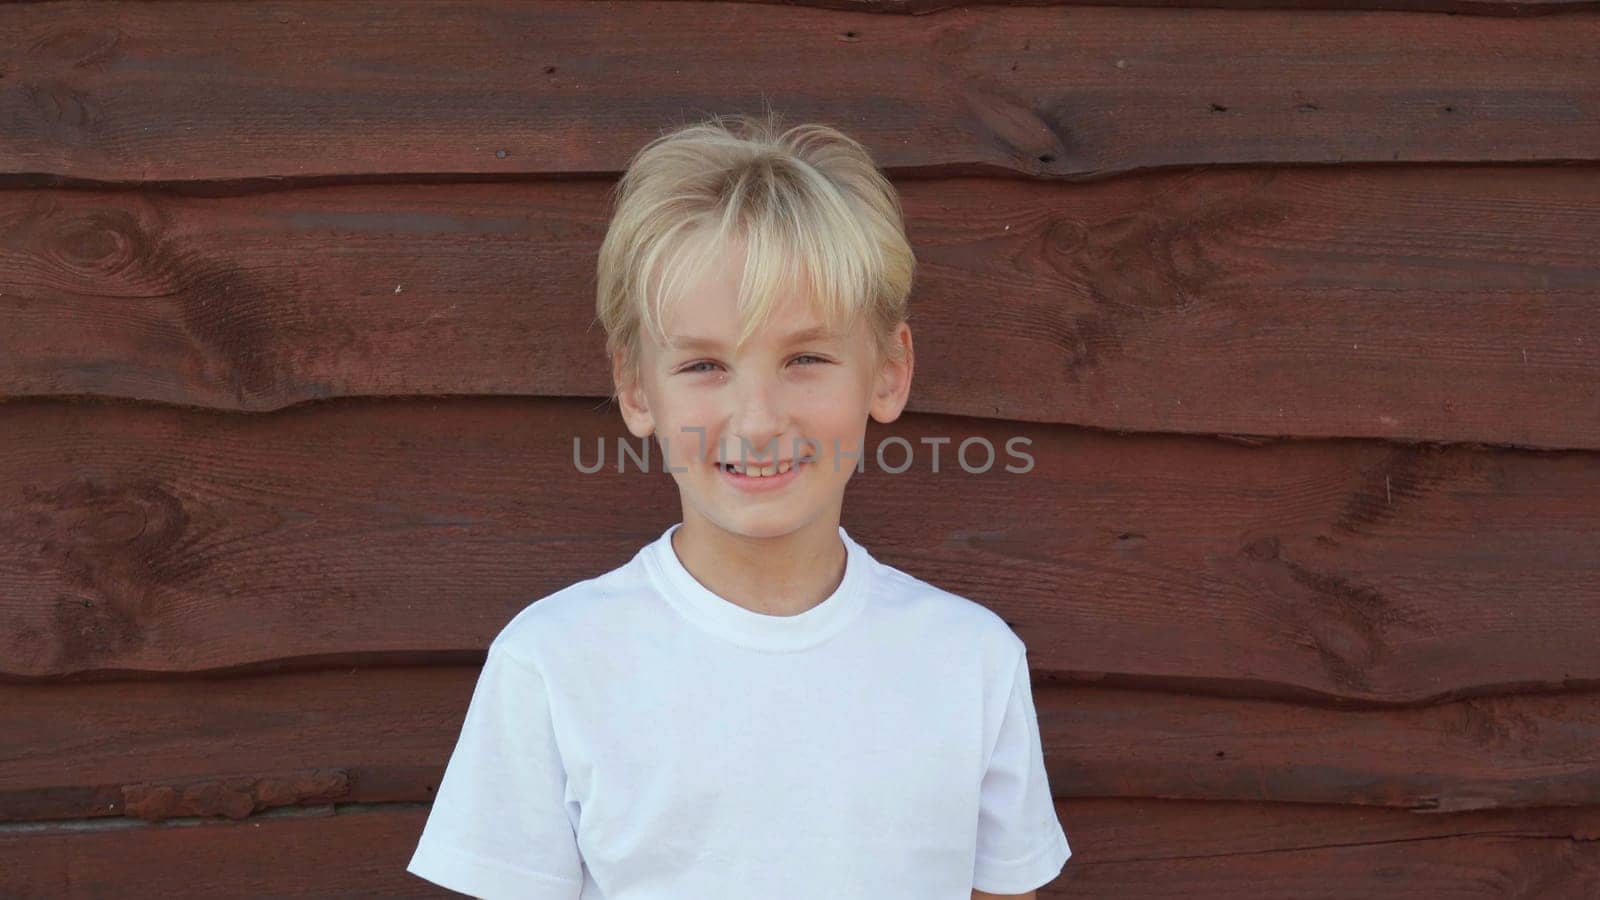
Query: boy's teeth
[(761, 471)]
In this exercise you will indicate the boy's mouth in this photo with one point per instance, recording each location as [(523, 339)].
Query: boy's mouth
[(751, 477), (755, 470)]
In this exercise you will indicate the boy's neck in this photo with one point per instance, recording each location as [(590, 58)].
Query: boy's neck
[(778, 576)]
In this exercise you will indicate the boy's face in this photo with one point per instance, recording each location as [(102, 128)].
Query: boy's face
[(706, 403)]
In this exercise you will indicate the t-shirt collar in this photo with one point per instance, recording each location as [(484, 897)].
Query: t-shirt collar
[(749, 628)]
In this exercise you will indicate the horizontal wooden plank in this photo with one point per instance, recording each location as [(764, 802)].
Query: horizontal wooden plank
[(1507, 8), (155, 539), (130, 93), (360, 852), (1166, 849), (1480, 753), (229, 747), (1126, 849), (1453, 304), (154, 750)]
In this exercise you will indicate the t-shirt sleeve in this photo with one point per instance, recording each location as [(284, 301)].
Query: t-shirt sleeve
[(499, 826), (1021, 845)]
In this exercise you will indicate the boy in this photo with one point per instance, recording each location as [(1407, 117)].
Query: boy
[(753, 706)]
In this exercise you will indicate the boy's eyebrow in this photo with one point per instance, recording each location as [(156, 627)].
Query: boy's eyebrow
[(815, 333)]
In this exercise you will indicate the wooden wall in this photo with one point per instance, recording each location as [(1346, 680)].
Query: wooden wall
[(1299, 305)]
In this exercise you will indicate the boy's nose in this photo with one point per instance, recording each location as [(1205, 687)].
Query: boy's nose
[(758, 422)]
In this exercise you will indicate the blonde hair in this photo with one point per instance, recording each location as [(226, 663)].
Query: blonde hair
[(806, 203)]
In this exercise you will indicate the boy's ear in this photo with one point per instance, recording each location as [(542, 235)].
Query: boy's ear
[(631, 398), (892, 384)]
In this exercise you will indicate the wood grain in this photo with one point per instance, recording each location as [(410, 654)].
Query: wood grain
[(244, 746), (1121, 848), (121, 94), (1441, 304), (1505, 8), (161, 540)]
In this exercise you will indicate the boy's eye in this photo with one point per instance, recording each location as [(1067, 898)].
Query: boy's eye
[(694, 368)]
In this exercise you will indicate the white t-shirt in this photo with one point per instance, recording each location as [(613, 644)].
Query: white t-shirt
[(635, 736)]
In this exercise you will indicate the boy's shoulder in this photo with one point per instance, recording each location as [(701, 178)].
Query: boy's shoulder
[(942, 611), (591, 608)]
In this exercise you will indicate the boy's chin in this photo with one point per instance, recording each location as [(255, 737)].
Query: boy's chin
[(758, 516)]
